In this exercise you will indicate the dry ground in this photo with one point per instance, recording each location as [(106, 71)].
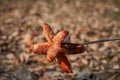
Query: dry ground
[(86, 20)]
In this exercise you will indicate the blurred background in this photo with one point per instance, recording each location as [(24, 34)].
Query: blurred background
[(21, 24)]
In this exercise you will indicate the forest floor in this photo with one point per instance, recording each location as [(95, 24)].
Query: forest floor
[(86, 20)]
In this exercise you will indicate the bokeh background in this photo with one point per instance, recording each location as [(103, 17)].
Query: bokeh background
[(21, 24)]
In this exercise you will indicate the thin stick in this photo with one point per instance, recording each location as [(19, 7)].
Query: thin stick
[(101, 41), (92, 42)]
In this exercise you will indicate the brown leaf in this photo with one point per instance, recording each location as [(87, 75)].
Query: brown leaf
[(24, 57), (11, 59)]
